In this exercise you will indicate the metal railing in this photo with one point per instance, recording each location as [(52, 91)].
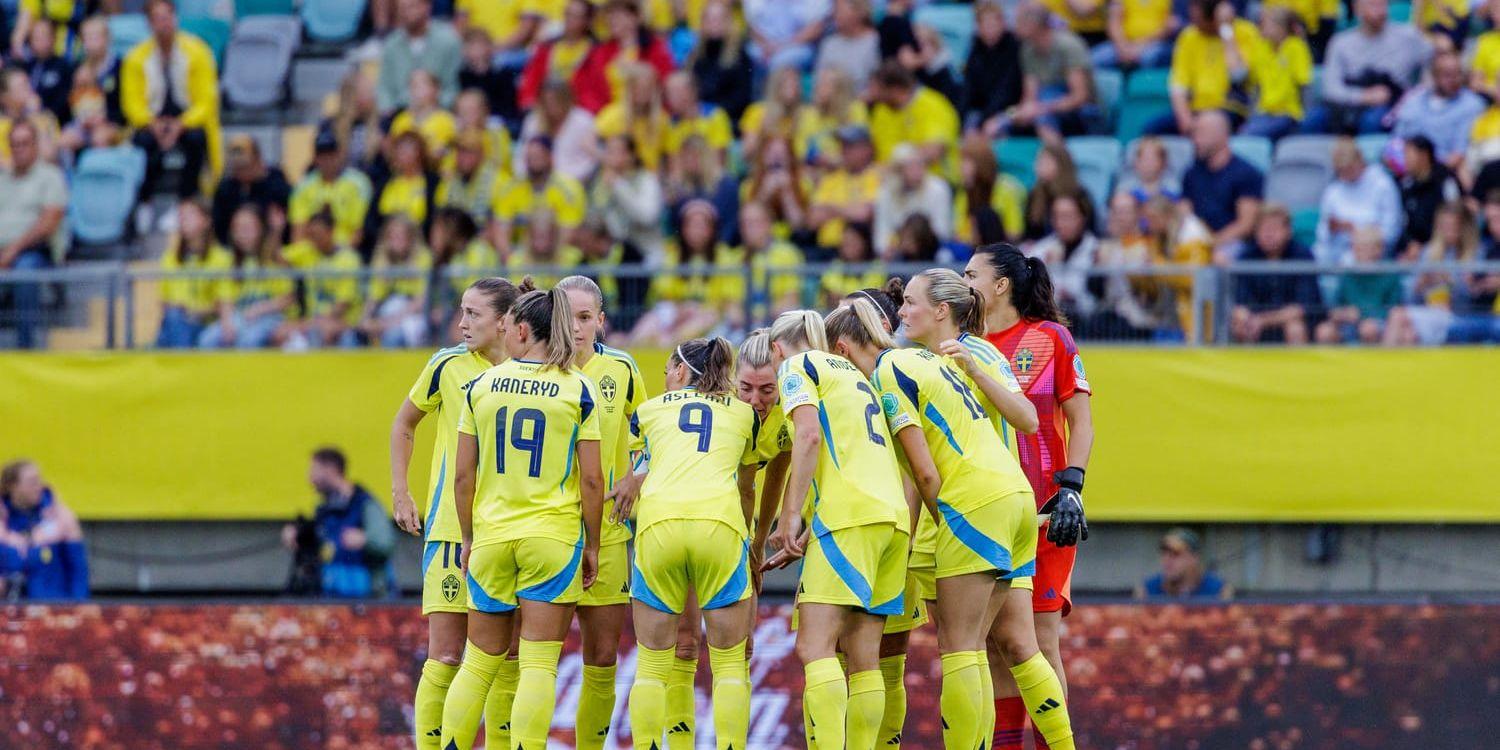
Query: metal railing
[(112, 306)]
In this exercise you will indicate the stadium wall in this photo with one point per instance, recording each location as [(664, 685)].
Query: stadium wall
[(1391, 676), (1229, 435)]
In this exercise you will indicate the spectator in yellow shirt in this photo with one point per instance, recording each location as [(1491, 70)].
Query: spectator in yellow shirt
[(835, 104), (542, 187), (408, 191), (988, 206), (169, 91), (776, 180), (423, 115), (907, 113), (332, 187), (1445, 21), (395, 311), (1484, 56), (190, 304), (1320, 18), (545, 247), (509, 25), (1140, 35), (689, 116), (471, 113), (1089, 19), (257, 307), (782, 113), (774, 265), (640, 114), (331, 301), (696, 284), (1211, 67), (846, 194), (856, 266), (469, 184), (1281, 68)]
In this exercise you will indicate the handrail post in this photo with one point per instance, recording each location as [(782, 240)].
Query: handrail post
[(112, 298), (129, 311)]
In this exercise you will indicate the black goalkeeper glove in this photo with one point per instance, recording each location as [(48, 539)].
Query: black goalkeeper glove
[(1067, 525)]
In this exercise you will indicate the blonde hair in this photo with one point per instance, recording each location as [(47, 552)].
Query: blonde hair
[(755, 350), (550, 318), (710, 360), (858, 323), (583, 284), (800, 327), (946, 287)]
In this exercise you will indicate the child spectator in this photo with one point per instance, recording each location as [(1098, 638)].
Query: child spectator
[(916, 242), (1148, 174), (190, 304), (774, 266), (395, 311), (1362, 300), (471, 114)]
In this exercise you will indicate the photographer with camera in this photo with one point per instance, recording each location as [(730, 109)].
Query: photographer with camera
[(344, 550)]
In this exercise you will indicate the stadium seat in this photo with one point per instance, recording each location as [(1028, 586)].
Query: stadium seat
[(259, 59), (103, 192), (248, 8), (332, 20), (1372, 147), (1146, 99), (1109, 86), (213, 31), (1400, 12), (1179, 153), (1312, 96), (1308, 149), (1147, 84), (126, 31), (955, 23), (1305, 226), (1298, 185), (1135, 115), (1017, 157), (221, 9), (1254, 149), (1097, 159)]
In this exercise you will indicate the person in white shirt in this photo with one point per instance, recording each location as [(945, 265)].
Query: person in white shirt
[(1360, 195), (910, 189)]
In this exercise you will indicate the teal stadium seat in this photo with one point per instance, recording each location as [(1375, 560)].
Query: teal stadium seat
[(332, 20), (1109, 86), (221, 9), (1400, 12), (1146, 99), (1305, 226), (213, 31), (103, 191), (1372, 147), (1017, 157), (1098, 159), (1254, 149), (955, 23), (126, 30), (247, 8)]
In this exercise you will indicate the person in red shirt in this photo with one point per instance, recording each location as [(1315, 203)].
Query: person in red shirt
[(596, 81), (1026, 325)]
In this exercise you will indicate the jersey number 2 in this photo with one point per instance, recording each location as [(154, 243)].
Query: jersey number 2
[(521, 438), (872, 412), (697, 419)]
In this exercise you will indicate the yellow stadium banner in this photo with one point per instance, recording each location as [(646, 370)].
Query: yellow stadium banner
[(1182, 434)]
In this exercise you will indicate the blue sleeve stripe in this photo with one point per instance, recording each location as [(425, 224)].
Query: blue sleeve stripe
[(807, 366), (907, 385), (568, 470), (734, 589), (827, 433), (553, 587), (585, 400)]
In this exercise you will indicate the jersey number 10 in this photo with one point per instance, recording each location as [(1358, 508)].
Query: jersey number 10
[(521, 438)]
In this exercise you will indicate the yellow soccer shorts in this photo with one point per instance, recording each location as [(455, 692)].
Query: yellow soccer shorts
[(674, 557), (923, 568), (442, 579), (612, 586), (997, 536), (914, 610), (860, 566), (534, 569)]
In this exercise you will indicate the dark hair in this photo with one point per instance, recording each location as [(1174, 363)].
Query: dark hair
[(892, 73), (331, 457), (459, 222), (923, 241), (500, 292), (550, 318), (10, 475), (1030, 284), (886, 303), (710, 360), (171, 5)]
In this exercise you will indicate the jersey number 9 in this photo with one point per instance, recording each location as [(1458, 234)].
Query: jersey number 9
[(697, 419), (528, 432), (872, 412)]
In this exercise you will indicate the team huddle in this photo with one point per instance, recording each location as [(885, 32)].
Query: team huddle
[(905, 482)]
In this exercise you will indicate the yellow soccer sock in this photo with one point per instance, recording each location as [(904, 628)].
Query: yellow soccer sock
[(1044, 698), (807, 731), (987, 706), (648, 697), (960, 701), (731, 675), (893, 716), (596, 707), (827, 700), (497, 705), (432, 688), (682, 704), (866, 708), (464, 705), (536, 695)]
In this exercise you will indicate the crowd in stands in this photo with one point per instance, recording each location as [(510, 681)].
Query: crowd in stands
[(680, 149)]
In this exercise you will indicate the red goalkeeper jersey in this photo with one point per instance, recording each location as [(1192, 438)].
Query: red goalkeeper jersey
[(1046, 362)]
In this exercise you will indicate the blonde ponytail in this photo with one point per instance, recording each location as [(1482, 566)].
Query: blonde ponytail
[(755, 350), (858, 323), (946, 287), (550, 318), (803, 327)]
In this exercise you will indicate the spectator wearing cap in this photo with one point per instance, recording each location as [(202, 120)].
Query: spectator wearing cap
[(908, 189), (1183, 575), (629, 198), (720, 62), (419, 43), (1360, 195), (1224, 189), (687, 115), (1057, 90), (469, 184), (557, 59), (1443, 110), (334, 187), (540, 187), (572, 130), (51, 73), (247, 179), (169, 91), (1426, 184), (853, 45), (479, 73), (599, 80), (785, 35), (1274, 307), (350, 532), (905, 112), (35, 196), (41, 540), (1366, 71), (992, 74), (848, 193)]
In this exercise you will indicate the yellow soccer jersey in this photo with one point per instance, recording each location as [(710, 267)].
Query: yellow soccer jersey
[(622, 390), (529, 419), (441, 389), (857, 480), (324, 293), (695, 443), (995, 365), (923, 389)]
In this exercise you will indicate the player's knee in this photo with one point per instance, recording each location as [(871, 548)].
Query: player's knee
[(1014, 645), (687, 649), (448, 655)]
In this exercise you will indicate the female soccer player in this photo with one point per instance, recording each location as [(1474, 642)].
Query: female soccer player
[(986, 538), (440, 388), (1026, 325), (692, 534), (856, 543), (529, 492)]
